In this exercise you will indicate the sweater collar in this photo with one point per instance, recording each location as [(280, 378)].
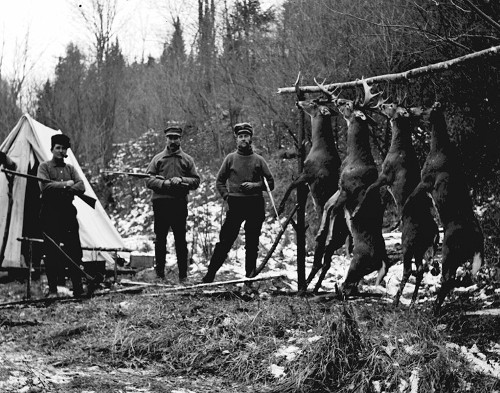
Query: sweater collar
[(56, 162), (245, 152), (166, 153)]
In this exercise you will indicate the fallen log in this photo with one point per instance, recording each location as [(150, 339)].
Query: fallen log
[(491, 311), (63, 299), (169, 288), (13, 323)]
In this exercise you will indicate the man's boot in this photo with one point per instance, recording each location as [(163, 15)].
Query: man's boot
[(218, 258), (160, 251)]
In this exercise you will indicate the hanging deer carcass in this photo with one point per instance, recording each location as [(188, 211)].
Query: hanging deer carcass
[(401, 174), (443, 178), (321, 172), (358, 171), (321, 166)]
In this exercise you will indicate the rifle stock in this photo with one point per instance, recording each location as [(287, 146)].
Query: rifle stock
[(86, 198)]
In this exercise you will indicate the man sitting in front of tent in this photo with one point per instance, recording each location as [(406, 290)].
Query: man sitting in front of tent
[(58, 217)]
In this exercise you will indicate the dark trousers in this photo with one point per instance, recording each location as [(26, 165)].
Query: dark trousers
[(252, 211), (56, 262), (170, 213)]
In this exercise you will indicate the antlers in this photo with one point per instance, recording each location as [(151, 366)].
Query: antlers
[(368, 95), (329, 93), (296, 85)]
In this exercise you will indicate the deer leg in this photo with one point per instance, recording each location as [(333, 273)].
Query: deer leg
[(422, 188), (325, 225), (319, 251), (336, 203), (449, 269), (327, 242), (324, 270), (320, 247), (407, 257), (375, 186), (383, 270), (419, 275), (319, 254)]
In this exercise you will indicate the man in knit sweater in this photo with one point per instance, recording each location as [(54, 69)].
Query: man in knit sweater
[(240, 182), (173, 175)]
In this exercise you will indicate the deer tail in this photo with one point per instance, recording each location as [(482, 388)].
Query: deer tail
[(477, 262)]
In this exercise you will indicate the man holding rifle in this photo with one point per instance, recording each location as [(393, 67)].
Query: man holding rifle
[(58, 216), (173, 175)]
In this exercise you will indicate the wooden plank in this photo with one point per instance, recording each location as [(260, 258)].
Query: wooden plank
[(170, 288)]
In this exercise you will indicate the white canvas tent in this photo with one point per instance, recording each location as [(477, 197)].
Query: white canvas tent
[(27, 145)]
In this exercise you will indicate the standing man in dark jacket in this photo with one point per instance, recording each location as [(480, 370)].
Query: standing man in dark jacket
[(58, 217), (240, 182), (173, 175)]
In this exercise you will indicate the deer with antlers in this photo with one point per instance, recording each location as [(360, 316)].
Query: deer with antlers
[(321, 172), (444, 179), (358, 171), (321, 166), (401, 174)]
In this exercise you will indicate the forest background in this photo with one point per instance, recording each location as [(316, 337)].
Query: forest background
[(242, 53)]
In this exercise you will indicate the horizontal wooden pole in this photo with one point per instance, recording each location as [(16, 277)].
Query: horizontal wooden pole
[(413, 73), (169, 288), (35, 240)]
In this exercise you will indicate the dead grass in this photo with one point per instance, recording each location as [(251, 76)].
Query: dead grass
[(362, 346)]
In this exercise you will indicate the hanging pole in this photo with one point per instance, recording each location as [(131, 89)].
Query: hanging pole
[(401, 76), (301, 199)]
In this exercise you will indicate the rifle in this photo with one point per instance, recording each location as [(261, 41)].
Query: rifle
[(140, 175), (86, 198), (268, 189), (135, 174)]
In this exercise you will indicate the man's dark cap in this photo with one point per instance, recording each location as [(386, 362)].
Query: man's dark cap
[(243, 128), (173, 130), (60, 139)]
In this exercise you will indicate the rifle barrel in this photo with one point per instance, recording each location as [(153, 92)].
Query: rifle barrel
[(142, 176), (135, 174)]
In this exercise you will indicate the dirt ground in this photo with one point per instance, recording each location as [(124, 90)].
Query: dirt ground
[(28, 368), (35, 359)]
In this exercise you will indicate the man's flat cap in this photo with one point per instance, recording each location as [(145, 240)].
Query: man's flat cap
[(243, 128), (173, 130)]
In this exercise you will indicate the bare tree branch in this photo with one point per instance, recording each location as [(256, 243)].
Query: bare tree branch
[(490, 21), (404, 27)]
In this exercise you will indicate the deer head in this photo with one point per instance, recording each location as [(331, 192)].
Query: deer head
[(316, 106), (393, 111), (357, 107)]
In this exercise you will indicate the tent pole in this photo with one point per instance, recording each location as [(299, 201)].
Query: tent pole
[(30, 264)]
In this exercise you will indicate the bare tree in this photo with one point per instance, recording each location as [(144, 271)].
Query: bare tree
[(99, 18)]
